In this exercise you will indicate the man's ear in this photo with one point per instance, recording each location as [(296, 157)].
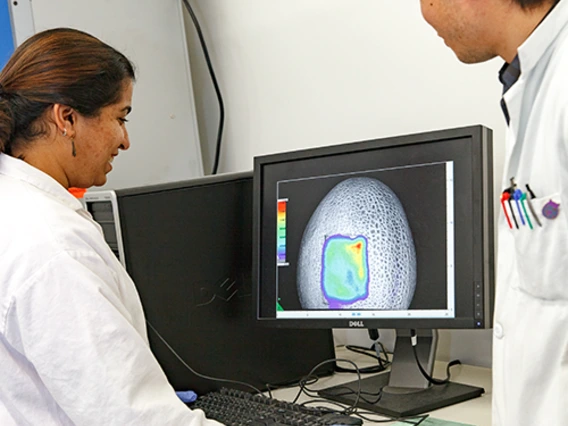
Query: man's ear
[(64, 118)]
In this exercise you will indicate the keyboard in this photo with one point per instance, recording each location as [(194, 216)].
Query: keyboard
[(235, 408)]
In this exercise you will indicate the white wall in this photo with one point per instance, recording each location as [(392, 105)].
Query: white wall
[(305, 73), (22, 20), (162, 126)]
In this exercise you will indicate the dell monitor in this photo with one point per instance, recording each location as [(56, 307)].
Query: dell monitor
[(187, 246), (386, 233)]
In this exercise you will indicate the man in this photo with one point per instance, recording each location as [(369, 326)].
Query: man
[(530, 343)]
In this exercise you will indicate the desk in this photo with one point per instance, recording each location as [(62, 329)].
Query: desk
[(476, 411)]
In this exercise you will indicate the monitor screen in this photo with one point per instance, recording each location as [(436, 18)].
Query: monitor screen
[(386, 233)]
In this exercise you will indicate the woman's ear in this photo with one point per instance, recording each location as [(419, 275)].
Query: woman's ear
[(64, 118)]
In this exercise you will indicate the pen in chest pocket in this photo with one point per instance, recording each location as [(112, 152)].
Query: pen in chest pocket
[(531, 208), (510, 199), (520, 196), (521, 199), (512, 211), (517, 194), (505, 197)]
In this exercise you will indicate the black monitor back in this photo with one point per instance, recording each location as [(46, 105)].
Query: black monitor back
[(188, 247)]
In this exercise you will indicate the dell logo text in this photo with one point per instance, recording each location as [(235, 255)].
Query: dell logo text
[(356, 324)]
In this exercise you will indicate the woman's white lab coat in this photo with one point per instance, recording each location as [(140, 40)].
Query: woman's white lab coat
[(73, 344), (530, 345)]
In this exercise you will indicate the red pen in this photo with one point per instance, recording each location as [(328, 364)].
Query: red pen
[(505, 197)]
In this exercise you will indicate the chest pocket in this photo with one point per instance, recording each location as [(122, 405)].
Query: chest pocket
[(542, 253)]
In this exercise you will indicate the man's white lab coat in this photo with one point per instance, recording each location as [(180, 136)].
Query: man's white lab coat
[(530, 345)]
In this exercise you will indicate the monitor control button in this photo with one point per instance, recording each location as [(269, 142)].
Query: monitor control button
[(498, 331)]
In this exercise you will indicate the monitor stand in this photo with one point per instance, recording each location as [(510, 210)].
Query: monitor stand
[(404, 391)]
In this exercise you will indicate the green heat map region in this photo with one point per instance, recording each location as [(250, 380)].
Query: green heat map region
[(345, 270)]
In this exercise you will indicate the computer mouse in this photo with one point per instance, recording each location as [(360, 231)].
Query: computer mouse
[(341, 419)]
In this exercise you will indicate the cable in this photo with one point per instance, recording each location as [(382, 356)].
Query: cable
[(416, 420), (290, 383), (215, 84), (365, 414), (365, 351), (374, 336), (304, 389), (414, 342), (311, 378), (203, 376), (383, 362), (364, 370), (303, 383)]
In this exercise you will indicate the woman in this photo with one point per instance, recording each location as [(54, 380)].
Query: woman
[(73, 342)]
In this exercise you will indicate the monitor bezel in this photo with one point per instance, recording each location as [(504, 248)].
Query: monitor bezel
[(483, 229)]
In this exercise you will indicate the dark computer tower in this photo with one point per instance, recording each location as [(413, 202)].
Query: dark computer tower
[(188, 247)]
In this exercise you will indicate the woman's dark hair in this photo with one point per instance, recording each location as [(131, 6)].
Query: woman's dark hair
[(63, 66)]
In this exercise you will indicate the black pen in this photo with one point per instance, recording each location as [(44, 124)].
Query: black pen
[(531, 208)]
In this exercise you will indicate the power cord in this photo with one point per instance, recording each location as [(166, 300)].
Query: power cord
[(311, 376), (414, 342), (374, 335), (203, 376), (215, 84), (377, 347), (303, 383), (383, 363), (306, 381)]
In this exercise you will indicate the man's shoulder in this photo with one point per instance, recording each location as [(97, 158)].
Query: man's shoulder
[(559, 52)]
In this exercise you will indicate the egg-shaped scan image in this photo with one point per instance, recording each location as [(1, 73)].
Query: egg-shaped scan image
[(357, 251)]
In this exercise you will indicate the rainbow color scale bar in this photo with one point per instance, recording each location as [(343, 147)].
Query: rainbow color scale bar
[(281, 233)]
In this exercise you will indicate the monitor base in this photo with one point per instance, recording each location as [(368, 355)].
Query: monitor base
[(396, 404)]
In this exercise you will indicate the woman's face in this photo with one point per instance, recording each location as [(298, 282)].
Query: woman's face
[(98, 140)]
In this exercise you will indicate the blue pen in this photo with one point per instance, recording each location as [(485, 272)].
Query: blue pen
[(517, 195)]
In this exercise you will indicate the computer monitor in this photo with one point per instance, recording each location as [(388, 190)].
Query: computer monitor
[(188, 247), (386, 233)]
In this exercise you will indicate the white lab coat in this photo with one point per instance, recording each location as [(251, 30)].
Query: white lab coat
[(530, 345), (73, 343)]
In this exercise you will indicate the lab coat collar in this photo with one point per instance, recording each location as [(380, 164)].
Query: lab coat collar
[(20, 170), (542, 37)]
